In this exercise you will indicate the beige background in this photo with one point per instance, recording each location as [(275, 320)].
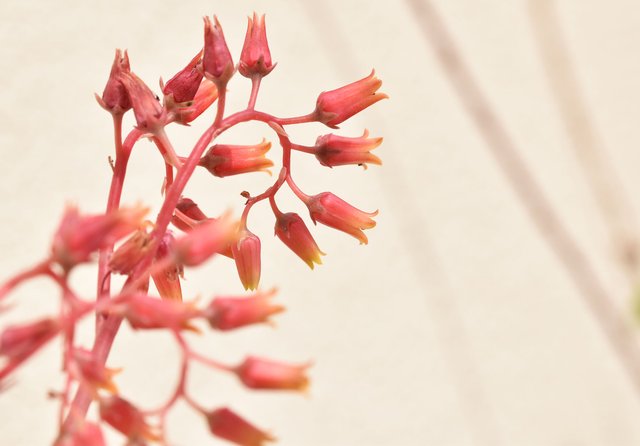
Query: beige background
[(457, 325)]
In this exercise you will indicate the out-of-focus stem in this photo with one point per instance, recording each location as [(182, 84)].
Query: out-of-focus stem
[(549, 225), (586, 141)]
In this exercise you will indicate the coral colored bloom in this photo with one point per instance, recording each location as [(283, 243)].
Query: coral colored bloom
[(20, 341), (205, 96), (294, 233), (246, 253), (167, 280), (257, 373), (146, 312), (88, 368), (115, 98), (336, 213), (333, 150), (207, 238), (87, 434), (336, 106), (228, 313), (224, 160), (130, 253), (183, 86), (216, 61), (127, 419), (149, 113), (226, 424), (255, 59), (78, 236)]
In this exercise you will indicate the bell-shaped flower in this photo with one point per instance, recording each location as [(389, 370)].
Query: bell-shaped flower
[(150, 114), (258, 373), (224, 160), (333, 150), (292, 231), (226, 424), (206, 239), (148, 313), (228, 313), (246, 253), (336, 106), (336, 213), (255, 59), (127, 419), (79, 236)]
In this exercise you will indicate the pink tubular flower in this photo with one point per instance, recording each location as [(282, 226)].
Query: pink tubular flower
[(130, 253), (257, 373), (147, 313), (87, 434), (228, 313), (207, 238), (294, 233), (336, 106), (167, 280), (205, 96), (127, 419), (183, 86), (21, 341), (78, 236), (149, 113), (333, 150), (226, 424), (115, 98), (246, 253), (255, 59), (336, 213), (224, 160), (216, 61)]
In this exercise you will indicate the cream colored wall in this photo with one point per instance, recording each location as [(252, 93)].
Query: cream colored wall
[(457, 325)]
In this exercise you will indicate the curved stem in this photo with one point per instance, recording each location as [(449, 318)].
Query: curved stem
[(255, 87)]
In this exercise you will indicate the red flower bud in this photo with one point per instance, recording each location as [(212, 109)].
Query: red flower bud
[(205, 96), (228, 313), (336, 106), (78, 236), (333, 150), (246, 253), (225, 424), (223, 160), (257, 373), (149, 113), (216, 61), (115, 98), (127, 419), (183, 86), (294, 233), (255, 59), (336, 213)]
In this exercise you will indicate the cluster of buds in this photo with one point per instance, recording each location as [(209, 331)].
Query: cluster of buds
[(147, 252)]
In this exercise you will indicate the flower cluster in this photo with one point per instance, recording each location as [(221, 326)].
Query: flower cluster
[(182, 236)]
